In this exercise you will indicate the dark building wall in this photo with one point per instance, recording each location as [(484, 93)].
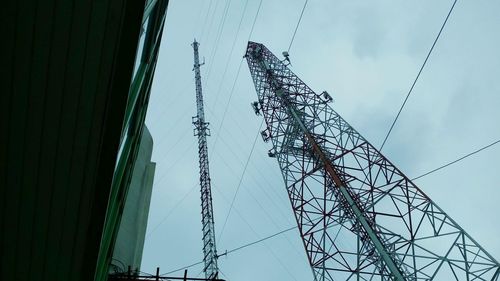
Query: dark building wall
[(67, 69)]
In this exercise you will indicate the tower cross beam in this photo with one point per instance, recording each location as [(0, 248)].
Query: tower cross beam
[(352, 204)]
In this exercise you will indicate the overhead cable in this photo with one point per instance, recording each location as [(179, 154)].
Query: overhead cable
[(297, 26), (254, 20), (202, 38), (240, 181), (257, 241), (457, 160), (206, 18), (235, 80), (418, 75), (231, 52), (235, 249), (220, 29), (182, 268), (172, 210)]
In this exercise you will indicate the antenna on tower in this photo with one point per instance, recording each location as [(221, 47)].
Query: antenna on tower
[(201, 130)]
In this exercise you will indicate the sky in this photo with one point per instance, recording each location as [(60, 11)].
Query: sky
[(366, 54)]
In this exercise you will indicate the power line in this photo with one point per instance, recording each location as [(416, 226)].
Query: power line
[(169, 133), (167, 104), (257, 235), (254, 20), (241, 180), (199, 17), (457, 160), (225, 276), (257, 183), (418, 75), (205, 21), (227, 105), (220, 30), (263, 190), (182, 156), (298, 23), (227, 147), (182, 268), (172, 210), (211, 23), (231, 52), (248, 224), (235, 79), (235, 249), (257, 241)]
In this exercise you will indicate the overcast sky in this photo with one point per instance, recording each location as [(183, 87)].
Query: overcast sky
[(365, 54)]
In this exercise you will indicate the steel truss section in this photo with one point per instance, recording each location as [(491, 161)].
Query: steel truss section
[(359, 216), (201, 130)]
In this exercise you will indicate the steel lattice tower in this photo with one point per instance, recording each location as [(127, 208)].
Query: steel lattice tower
[(359, 216), (207, 216)]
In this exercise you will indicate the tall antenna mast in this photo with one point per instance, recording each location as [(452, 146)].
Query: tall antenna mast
[(207, 215)]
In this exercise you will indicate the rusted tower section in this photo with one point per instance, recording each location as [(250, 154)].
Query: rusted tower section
[(359, 216), (201, 130)]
